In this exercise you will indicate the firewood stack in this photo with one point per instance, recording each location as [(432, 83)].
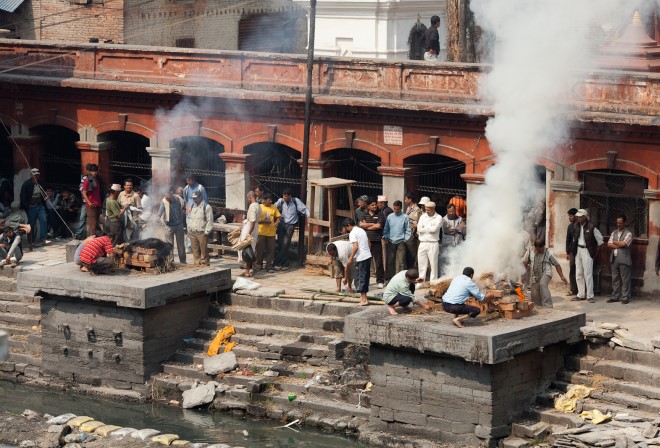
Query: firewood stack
[(148, 259), (511, 302)]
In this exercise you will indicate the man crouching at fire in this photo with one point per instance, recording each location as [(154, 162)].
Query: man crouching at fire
[(460, 289), (96, 256), (401, 290)]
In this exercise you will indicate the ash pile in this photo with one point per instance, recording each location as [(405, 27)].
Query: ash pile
[(149, 255)]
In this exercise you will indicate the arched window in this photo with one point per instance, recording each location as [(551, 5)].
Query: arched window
[(608, 193)]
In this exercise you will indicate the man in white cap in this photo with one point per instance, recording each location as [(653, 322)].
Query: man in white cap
[(32, 201), (586, 240), (428, 229), (115, 214)]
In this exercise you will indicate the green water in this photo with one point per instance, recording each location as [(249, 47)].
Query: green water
[(193, 425)]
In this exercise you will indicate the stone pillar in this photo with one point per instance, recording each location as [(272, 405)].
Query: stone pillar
[(564, 195), (237, 182), (473, 182), (393, 183), (95, 153), (161, 169), (652, 281)]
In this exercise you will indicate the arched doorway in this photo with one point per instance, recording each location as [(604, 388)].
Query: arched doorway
[(201, 157), (357, 165), (274, 166), (435, 176), (128, 157), (60, 158)]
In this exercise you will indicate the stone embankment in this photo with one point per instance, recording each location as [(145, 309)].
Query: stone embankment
[(34, 430), (291, 364), (622, 374)]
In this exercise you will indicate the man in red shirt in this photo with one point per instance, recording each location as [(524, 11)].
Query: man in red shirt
[(96, 256), (91, 193)]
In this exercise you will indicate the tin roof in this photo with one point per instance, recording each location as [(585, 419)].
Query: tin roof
[(10, 5)]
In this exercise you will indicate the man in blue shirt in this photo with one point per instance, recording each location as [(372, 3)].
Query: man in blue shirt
[(290, 208), (460, 289), (192, 186), (396, 232)]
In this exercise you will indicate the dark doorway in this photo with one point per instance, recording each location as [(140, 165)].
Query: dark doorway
[(128, 157), (435, 176), (274, 166), (201, 157), (357, 165), (60, 158)]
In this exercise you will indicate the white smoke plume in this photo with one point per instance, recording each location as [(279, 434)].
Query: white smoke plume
[(539, 48)]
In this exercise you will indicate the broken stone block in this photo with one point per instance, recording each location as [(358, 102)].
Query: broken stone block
[(536, 431), (514, 442), (655, 341), (633, 343), (595, 332), (610, 326), (222, 363), (650, 431), (198, 396)]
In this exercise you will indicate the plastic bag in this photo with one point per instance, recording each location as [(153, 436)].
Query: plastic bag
[(249, 255)]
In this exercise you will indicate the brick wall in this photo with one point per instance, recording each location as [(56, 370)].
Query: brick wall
[(452, 400), (148, 338), (60, 20)]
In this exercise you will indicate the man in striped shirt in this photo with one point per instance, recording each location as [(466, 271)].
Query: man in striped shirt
[(96, 256)]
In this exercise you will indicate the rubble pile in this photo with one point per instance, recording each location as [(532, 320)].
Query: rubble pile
[(614, 335)]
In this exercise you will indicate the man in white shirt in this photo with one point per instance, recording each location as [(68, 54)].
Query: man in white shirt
[(339, 252), (428, 230), (251, 228), (361, 256)]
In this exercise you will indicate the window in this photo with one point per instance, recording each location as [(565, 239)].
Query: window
[(186, 42), (608, 193)]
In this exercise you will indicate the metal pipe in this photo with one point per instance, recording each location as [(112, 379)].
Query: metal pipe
[(308, 122)]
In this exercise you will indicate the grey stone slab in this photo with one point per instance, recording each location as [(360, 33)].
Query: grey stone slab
[(198, 396), (144, 434), (491, 342), (222, 363), (129, 289)]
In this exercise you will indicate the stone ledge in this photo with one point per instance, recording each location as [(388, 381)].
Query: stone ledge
[(493, 342)]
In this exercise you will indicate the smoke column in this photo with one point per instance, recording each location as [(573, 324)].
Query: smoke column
[(539, 47)]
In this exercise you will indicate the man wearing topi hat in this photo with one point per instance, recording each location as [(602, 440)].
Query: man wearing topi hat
[(428, 229), (115, 214), (586, 240)]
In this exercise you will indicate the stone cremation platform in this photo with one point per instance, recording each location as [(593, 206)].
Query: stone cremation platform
[(436, 381), (117, 330)]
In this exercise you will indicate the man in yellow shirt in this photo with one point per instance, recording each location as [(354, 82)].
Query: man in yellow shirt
[(268, 222)]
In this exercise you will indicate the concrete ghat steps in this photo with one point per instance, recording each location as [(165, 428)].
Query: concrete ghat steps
[(314, 307), (273, 343), (611, 385), (248, 329), (13, 296), (279, 318), (639, 373), (618, 353), (19, 319), (7, 284), (19, 308)]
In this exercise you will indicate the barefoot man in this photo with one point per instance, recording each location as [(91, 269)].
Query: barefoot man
[(361, 256), (460, 289), (401, 291)]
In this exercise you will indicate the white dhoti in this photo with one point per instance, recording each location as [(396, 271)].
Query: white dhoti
[(244, 233), (428, 254)]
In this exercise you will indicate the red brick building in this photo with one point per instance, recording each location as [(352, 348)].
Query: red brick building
[(278, 26), (393, 127)]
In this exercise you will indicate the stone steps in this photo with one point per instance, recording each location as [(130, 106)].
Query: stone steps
[(623, 354), (27, 358), (19, 319), (7, 284), (314, 307), (14, 329), (620, 370), (612, 385), (274, 344), (19, 308), (277, 318), (13, 296)]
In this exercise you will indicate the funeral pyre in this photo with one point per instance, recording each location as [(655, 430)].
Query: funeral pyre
[(511, 302), (150, 255)]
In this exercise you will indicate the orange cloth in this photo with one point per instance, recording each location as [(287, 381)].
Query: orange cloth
[(461, 206), (222, 337)]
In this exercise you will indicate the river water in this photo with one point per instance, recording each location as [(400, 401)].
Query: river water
[(193, 425)]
